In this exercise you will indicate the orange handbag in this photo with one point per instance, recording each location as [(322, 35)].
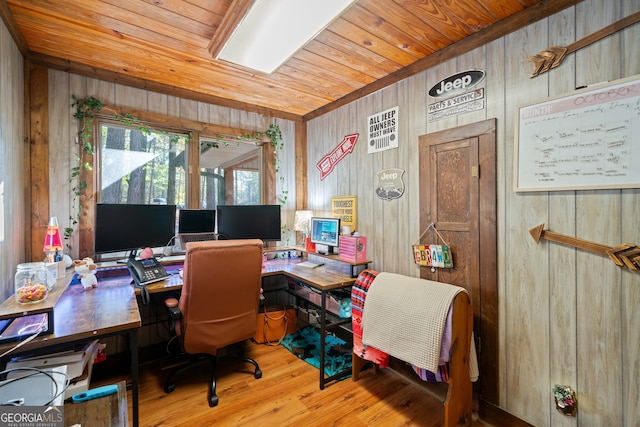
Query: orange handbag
[(274, 323)]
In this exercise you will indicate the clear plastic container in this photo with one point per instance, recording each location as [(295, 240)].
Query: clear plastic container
[(31, 282)]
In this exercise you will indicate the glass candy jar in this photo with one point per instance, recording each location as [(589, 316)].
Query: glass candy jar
[(31, 282)]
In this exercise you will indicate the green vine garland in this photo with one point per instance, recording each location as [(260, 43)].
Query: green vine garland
[(85, 111)]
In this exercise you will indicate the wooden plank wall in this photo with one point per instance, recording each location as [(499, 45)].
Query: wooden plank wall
[(566, 317), (14, 151)]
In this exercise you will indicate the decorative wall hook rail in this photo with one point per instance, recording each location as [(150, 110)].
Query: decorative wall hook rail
[(625, 255), (553, 56)]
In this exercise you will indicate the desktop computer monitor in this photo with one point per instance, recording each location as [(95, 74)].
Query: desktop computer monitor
[(250, 222), (122, 227), (325, 233)]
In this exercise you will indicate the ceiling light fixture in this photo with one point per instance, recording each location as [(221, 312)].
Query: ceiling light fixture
[(273, 30)]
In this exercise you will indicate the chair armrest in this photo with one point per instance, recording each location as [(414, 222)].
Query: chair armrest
[(172, 306)]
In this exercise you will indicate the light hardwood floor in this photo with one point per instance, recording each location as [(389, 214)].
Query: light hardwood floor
[(287, 395)]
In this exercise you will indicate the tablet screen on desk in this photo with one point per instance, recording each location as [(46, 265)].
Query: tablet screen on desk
[(23, 327)]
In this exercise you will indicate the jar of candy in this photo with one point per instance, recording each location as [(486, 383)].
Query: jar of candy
[(31, 282)]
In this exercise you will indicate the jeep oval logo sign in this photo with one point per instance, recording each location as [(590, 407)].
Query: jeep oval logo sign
[(457, 83)]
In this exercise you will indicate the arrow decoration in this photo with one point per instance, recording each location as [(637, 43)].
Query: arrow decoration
[(625, 255), (329, 161), (553, 56)]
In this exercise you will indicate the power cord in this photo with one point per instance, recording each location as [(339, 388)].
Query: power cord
[(39, 329), (144, 295), (168, 248)]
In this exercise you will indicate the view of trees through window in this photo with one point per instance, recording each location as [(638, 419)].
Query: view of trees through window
[(211, 187), (246, 187), (142, 167), (229, 173)]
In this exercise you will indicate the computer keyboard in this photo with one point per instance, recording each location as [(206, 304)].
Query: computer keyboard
[(196, 237), (309, 264)]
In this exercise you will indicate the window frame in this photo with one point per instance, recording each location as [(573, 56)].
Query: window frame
[(197, 130)]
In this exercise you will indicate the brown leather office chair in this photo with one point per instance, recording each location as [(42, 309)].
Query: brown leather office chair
[(218, 305)]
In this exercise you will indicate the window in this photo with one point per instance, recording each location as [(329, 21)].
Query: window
[(139, 167), (173, 161), (229, 173)]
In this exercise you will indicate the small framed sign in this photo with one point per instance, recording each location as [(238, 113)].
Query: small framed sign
[(345, 208)]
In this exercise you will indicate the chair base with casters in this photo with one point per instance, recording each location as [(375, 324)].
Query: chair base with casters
[(174, 315), (196, 359)]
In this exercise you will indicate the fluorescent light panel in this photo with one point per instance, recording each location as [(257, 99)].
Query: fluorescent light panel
[(273, 30)]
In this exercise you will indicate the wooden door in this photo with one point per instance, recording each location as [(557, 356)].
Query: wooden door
[(458, 195)]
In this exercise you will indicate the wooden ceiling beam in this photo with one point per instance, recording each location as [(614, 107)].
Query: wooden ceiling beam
[(235, 14)]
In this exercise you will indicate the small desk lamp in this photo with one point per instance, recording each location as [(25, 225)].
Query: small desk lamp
[(53, 241), (302, 223)]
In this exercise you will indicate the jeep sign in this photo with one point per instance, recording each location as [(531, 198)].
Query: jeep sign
[(457, 83)]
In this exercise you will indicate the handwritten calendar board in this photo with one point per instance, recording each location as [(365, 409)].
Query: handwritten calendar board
[(589, 139)]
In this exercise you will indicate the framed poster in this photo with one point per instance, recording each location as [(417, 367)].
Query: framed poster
[(589, 139)]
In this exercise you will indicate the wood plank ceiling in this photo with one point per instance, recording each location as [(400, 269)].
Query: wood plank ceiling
[(162, 45)]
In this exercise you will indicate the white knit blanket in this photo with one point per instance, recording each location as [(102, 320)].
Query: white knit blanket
[(405, 317)]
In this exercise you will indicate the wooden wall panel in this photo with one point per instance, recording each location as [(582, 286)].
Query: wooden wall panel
[(345, 167), (313, 148), (630, 291), (59, 152), (78, 86), (566, 316), (474, 60), (14, 162), (327, 187), (629, 313), (301, 190), (411, 98), (39, 153), (286, 187), (363, 184), (372, 220), (408, 226), (598, 219), (562, 213), (495, 107), (390, 209), (157, 103), (528, 292)]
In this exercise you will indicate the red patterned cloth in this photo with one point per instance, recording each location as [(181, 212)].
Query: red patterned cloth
[(358, 295)]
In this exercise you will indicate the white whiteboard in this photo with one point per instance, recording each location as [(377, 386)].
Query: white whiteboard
[(589, 139)]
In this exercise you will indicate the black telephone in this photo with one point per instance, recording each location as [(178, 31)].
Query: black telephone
[(145, 271)]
